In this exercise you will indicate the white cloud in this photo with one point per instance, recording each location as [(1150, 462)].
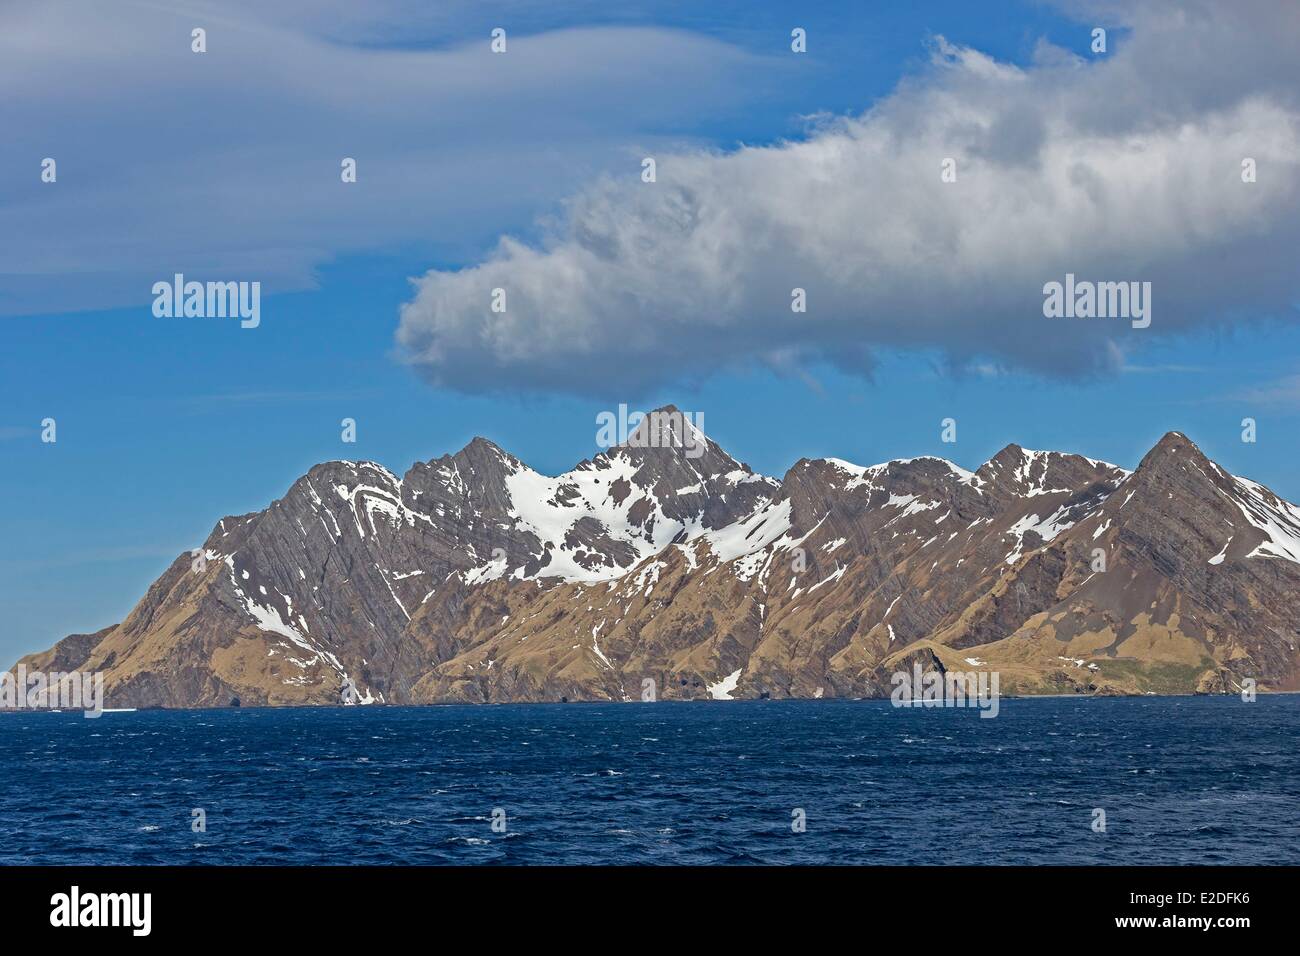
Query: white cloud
[(1127, 168)]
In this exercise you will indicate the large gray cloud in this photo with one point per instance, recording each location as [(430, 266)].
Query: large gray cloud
[(1121, 168)]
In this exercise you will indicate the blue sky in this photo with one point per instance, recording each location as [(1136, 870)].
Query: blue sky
[(166, 425)]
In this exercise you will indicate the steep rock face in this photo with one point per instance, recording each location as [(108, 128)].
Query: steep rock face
[(667, 566), (1200, 582)]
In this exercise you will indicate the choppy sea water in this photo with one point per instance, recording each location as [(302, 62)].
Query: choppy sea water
[(1181, 780)]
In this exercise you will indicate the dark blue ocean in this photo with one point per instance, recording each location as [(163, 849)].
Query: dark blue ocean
[(1181, 780)]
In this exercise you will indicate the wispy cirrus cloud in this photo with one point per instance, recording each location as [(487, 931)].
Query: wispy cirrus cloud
[(221, 400), (1279, 393), (226, 164)]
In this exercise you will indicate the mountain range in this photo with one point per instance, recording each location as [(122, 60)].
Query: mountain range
[(473, 578)]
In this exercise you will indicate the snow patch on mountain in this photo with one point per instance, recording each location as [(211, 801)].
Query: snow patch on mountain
[(754, 533), (723, 689), (604, 490), (1278, 519), (1046, 528)]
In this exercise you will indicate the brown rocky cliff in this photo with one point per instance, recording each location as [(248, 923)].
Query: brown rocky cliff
[(473, 578)]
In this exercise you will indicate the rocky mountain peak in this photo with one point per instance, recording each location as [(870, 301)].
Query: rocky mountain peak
[(669, 433), (486, 458), (1023, 472), (1217, 513), (1176, 464), (349, 473), (1173, 446)]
